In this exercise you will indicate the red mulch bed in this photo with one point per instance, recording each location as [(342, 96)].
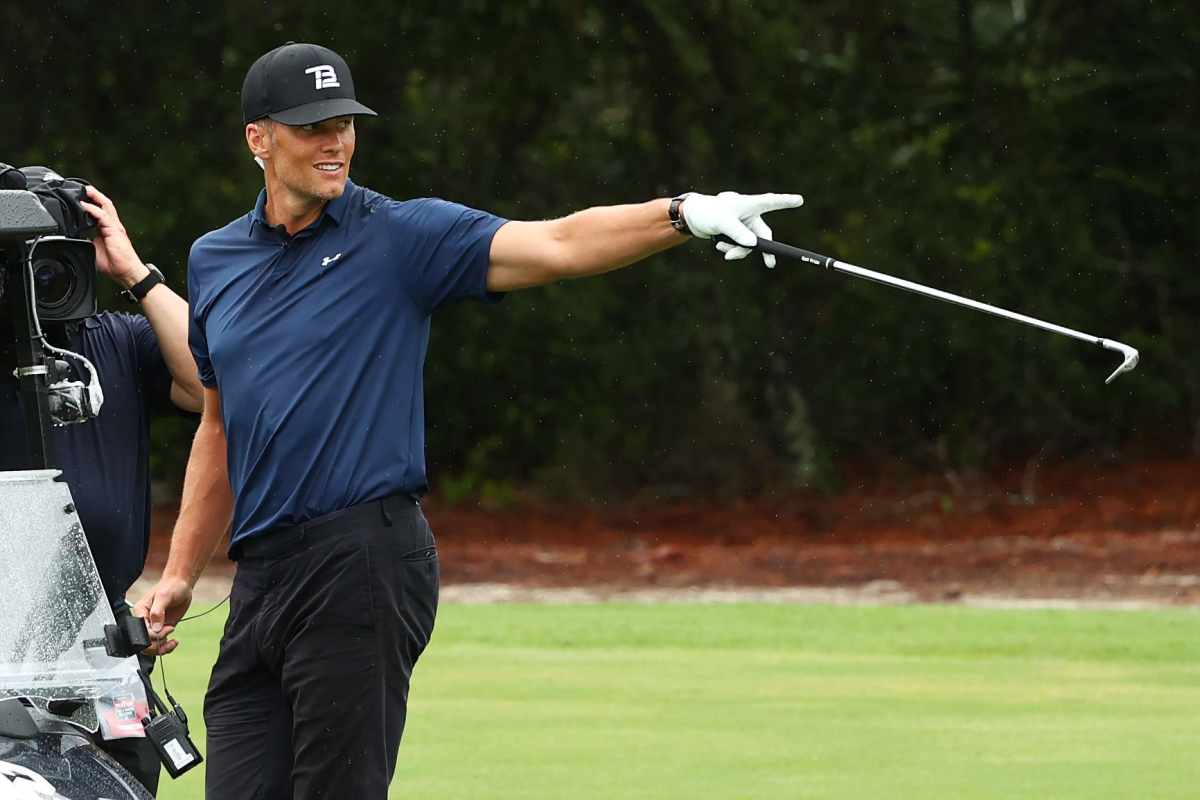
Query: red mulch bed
[(1121, 532)]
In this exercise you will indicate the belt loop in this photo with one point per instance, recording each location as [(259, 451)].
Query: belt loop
[(387, 517)]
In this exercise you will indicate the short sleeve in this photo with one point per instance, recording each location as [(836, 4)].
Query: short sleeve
[(197, 340), (153, 374), (446, 248)]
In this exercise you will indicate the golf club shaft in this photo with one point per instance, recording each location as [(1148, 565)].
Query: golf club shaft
[(787, 251)]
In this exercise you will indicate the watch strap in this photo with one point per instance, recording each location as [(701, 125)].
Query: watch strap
[(137, 292), (677, 221)]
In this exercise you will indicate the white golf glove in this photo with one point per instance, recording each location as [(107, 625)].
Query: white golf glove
[(738, 216)]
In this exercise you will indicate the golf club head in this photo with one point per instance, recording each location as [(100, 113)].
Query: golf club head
[(1130, 354)]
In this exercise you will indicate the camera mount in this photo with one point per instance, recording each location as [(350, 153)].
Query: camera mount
[(23, 217)]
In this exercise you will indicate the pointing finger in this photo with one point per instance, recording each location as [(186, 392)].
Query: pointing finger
[(762, 203)]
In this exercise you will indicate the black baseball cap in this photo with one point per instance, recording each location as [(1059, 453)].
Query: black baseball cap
[(299, 84)]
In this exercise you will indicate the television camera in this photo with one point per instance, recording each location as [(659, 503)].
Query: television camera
[(67, 669), (47, 275)]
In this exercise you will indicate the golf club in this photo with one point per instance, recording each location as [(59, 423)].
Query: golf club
[(1129, 354)]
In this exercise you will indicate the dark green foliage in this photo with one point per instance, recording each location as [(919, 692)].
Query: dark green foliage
[(1041, 156)]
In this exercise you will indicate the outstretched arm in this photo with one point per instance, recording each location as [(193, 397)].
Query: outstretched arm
[(605, 238)]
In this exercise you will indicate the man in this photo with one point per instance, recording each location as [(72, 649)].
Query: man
[(144, 367), (310, 318)]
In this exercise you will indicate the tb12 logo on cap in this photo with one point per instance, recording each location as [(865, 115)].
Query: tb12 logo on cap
[(324, 75)]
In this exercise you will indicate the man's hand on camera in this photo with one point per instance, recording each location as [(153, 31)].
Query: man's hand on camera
[(162, 607), (115, 256)]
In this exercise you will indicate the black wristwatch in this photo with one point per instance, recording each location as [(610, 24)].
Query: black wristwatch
[(135, 293), (676, 218)]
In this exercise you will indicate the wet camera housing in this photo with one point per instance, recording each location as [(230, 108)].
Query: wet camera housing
[(64, 264), (47, 274)]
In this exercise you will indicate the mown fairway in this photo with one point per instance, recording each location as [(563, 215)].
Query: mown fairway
[(623, 701)]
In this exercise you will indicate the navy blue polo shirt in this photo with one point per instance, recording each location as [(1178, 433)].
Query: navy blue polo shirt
[(105, 461), (317, 343)]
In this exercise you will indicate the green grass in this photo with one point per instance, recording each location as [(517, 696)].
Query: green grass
[(761, 701)]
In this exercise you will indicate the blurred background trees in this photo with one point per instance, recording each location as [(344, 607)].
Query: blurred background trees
[(1040, 155)]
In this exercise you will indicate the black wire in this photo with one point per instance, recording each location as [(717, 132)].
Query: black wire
[(162, 657), (162, 666), (201, 614)]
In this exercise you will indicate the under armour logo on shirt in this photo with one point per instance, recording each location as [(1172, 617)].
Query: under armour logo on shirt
[(324, 75), (327, 260)]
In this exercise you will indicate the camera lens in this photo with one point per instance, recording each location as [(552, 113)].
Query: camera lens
[(64, 278), (53, 282)]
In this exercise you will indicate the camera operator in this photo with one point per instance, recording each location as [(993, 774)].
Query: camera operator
[(145, 367)]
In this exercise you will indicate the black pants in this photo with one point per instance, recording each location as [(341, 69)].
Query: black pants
[(310, 690), (137, 756)]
